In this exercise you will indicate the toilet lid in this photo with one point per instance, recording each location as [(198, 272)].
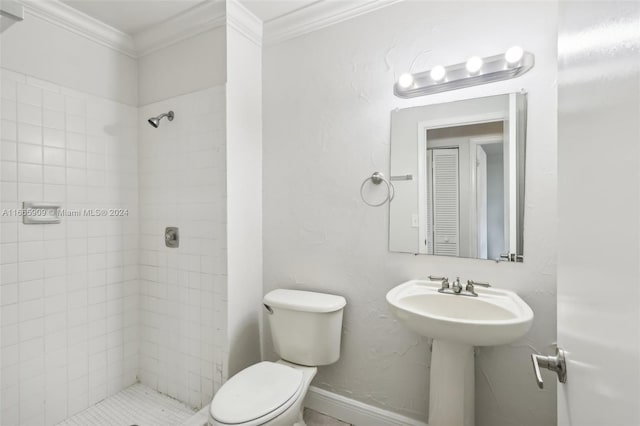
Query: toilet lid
[(255, 392)]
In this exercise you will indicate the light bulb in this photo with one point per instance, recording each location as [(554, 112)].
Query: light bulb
[(405, 81), (437, 73), (514, 55), (474, 64)]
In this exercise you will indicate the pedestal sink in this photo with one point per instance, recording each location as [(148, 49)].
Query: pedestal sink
[(457, 323)]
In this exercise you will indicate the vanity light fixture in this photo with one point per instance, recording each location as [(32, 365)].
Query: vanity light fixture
[(474, 64), (513, 55), (405, 81), (475, 71), (438, 73)]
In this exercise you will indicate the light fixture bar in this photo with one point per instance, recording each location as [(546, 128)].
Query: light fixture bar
[(458, 76)]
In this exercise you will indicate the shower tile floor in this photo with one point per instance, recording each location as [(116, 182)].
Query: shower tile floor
[(142, 406), (135, 405)]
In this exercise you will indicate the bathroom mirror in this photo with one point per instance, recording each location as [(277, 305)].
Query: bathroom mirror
[(458, 173)]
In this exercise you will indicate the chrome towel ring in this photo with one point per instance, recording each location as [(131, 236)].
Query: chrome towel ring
[(377, 178)]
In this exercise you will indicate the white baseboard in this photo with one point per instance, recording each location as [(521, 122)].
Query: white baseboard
[(355, 412)]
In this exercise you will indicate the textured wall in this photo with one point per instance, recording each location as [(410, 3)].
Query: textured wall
[(327, 98), (162, 74), (182, 290), (244, 192), (69, 290)]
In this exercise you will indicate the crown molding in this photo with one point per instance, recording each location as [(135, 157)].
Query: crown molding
[(316, 16), (58, 13), (200, 18), (242, 20)]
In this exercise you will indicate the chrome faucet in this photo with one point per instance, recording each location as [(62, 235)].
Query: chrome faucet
[(456, 287), (443, 280), (470, 287)]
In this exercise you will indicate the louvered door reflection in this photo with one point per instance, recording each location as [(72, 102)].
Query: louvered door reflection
[(446, 202)]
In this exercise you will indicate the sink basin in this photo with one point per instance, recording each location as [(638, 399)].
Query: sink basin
[(457, 323), (495, 317)]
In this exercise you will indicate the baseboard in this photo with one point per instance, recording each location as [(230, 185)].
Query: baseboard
[(355, 412)]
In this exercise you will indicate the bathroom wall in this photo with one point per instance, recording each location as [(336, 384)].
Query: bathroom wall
[(244, 186), (204, 68), (69, 290), (183, 290), (327, 102)]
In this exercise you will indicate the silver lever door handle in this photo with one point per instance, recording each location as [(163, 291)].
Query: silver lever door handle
[(555, 363)]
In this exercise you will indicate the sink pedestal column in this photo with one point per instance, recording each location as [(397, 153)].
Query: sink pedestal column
[(452, 384)]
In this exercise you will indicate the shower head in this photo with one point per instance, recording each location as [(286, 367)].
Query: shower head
[(155, 121)]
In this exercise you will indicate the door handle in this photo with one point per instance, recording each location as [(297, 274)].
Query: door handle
[(555, 363)]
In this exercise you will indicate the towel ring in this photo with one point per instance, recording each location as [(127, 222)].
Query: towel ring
[(377, 178)]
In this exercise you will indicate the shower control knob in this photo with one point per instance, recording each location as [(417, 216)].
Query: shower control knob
[(171, 237)]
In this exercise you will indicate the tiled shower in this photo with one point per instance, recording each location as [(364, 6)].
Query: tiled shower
[(97, 302), (182, 181), (70, 291)]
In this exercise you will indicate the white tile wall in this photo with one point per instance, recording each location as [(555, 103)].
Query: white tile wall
[(183, 291), (69, 292)]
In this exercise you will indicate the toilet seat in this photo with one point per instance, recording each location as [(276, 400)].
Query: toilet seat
[(257, 394)]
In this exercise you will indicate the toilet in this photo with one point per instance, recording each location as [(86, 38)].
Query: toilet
[(306, 328)]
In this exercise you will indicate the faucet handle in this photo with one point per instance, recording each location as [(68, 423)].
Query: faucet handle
[(470, 286), (472, 283), (444, 280)]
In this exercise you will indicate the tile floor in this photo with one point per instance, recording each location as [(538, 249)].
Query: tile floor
[(142, 406), (135, 405)]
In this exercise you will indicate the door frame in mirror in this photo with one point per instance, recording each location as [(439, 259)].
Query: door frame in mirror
[(473, 208), (423, 128)]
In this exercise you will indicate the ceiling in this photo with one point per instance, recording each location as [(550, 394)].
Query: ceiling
[(133, 16)]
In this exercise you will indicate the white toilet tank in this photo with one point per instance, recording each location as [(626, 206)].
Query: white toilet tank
[(306, 326)]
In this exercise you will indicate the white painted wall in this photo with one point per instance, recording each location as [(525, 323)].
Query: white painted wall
[(327, 98), (599, 193), (46, 51), (244, 188), (187, 66)]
